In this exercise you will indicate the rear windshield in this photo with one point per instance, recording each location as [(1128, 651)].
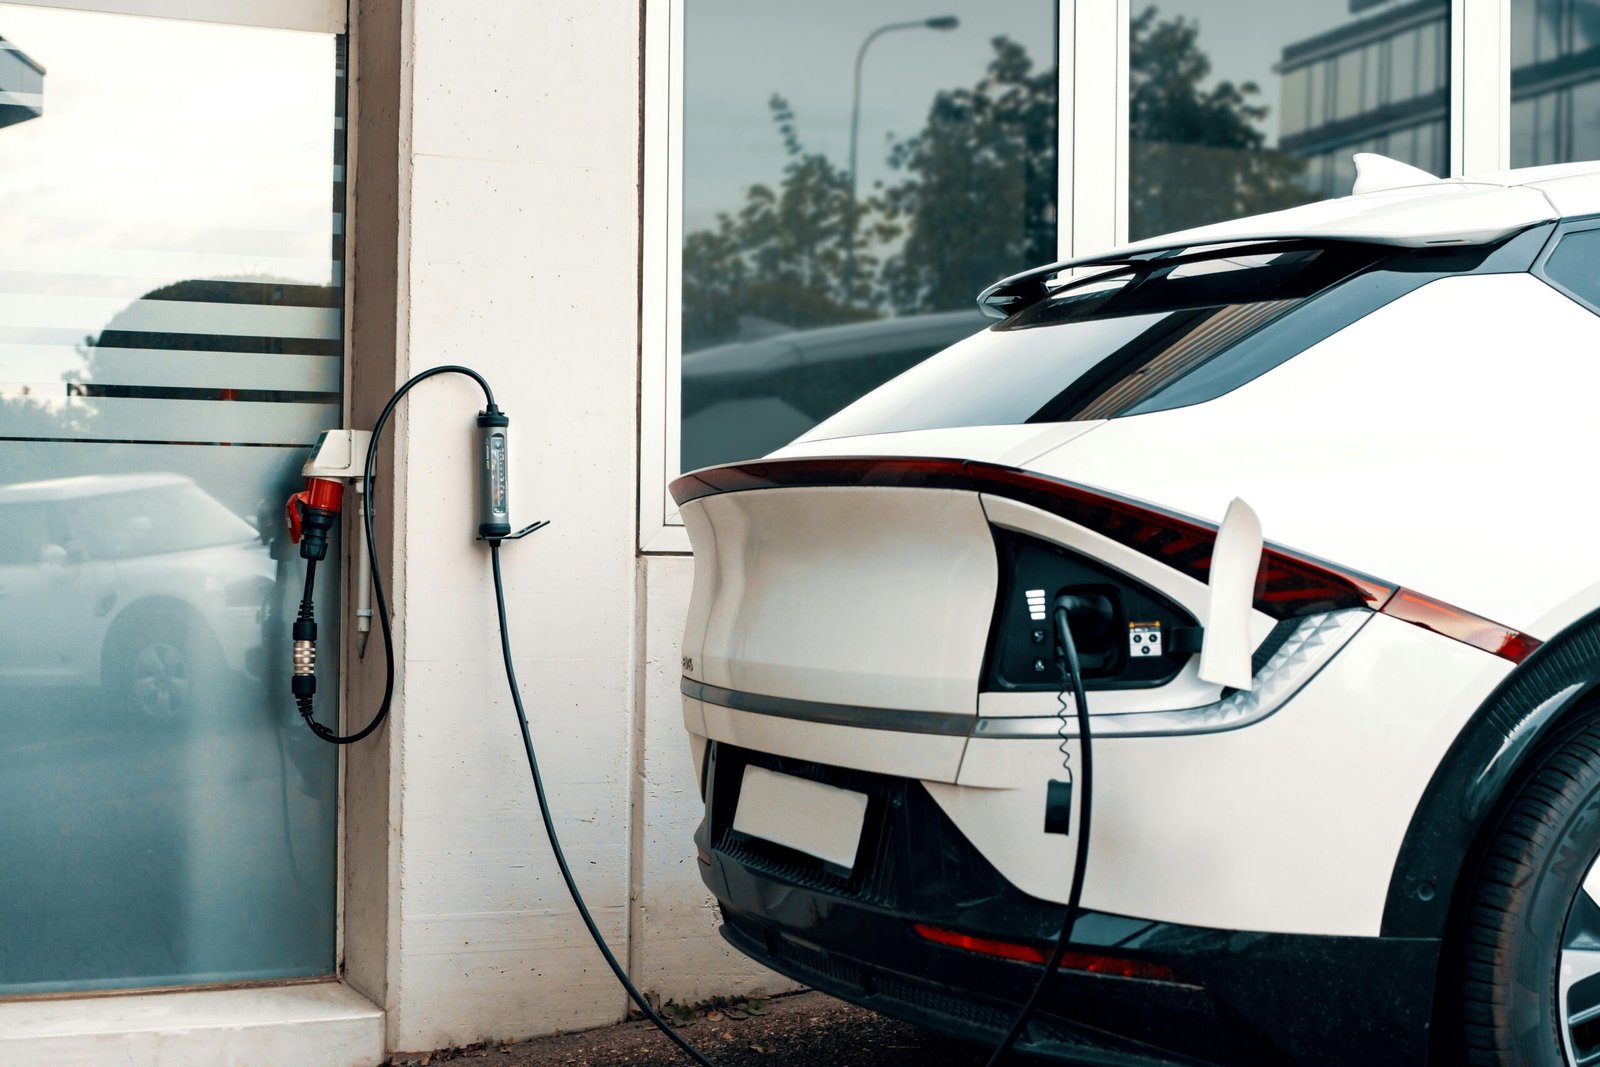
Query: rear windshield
[(1161, 334)]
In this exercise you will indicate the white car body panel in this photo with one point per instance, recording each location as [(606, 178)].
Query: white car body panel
[(858, 597), (1290, 825), (1010, 446), (1448, 212), (1346, 431)]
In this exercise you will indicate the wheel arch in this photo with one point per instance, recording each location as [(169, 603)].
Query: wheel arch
[(140, 613), (1559, 683)]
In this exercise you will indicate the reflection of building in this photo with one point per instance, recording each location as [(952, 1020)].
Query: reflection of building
[(21, 85), (1380, 84), (1555, 81)]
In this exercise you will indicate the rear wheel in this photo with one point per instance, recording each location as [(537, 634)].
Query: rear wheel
[(1531, 948)]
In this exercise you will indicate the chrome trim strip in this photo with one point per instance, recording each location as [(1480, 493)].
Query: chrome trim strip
[(907, 722), (1300, 658), (1306, 651)]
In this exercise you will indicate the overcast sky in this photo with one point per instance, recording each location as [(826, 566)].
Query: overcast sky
[(167, 150)]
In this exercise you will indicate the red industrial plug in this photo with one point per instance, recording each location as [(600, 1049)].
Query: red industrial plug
[(312, 512)]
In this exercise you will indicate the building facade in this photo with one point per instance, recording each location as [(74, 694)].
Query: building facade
[(668, 232)]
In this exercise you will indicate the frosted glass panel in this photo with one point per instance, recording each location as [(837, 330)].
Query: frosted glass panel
[(170, 344)]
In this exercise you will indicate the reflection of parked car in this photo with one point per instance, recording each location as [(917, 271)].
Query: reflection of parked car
[(745, 399), (142, 583), (1374, 837)]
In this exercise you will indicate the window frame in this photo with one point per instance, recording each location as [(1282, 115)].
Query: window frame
[(318, 16)]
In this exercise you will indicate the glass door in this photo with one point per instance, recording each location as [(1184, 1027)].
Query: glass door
[(170, 343)]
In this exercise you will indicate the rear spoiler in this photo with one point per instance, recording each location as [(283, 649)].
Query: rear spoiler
[(1010, 295)]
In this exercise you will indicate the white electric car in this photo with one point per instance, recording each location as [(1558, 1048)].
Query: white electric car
[(1347, 812)]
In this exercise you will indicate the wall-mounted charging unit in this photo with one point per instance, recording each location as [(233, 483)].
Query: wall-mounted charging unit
[(314, 512)]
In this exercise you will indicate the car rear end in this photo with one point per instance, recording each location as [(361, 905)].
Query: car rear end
[(870, 682)]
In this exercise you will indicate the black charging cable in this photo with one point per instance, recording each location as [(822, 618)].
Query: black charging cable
[(1071, 675), (555, 842), (382, 606)]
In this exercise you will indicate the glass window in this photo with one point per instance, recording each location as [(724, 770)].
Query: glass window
[(1347, 79), (1585, 111), (170, 345), (1296, 87), (1555, 81), (1212, 88), (837, 229), (1317, 112), (1574, 265), (1130, 340), (1372, 96), (1433, 61)]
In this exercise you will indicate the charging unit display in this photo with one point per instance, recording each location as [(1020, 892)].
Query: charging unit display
[(312, 515)]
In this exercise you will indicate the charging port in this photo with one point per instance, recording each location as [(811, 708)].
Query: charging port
[(1107, 611)]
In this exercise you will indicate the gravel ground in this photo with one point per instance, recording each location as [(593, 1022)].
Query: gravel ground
[(801, 1030)]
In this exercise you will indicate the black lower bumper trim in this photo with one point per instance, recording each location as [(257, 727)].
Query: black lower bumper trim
[(1236, 997)]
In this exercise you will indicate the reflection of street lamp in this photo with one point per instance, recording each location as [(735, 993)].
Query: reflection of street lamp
[(941, 22)]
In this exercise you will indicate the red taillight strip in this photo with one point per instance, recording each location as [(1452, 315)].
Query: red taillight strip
[(1408, 605), (795, 473), (1093, 963), (1289, 584)]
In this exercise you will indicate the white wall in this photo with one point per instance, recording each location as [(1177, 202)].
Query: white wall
[(522, 261), (519, 257), (675, 951)]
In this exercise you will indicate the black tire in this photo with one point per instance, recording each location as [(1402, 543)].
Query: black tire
[(163, 670), (1528, 913)]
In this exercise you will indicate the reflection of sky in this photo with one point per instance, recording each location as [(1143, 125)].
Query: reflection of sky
[(739, 52), (1245, 38), (167, 151)]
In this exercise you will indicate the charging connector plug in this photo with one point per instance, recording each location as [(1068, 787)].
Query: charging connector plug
[(313, 513)]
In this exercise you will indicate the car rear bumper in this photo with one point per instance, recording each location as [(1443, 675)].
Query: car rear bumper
[(1232, 997)]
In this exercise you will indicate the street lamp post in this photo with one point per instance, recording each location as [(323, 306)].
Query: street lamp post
[(941, 22)]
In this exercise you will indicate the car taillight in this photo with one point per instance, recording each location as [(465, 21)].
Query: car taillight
[(1410, 606), (1289, 584), (1091, 962)]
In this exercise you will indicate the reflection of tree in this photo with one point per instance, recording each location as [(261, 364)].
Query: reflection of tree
[(976, 199), (782, 257), (979, 197), (1198, 155)]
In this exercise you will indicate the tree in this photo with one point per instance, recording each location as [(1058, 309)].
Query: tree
[(1197, 155)]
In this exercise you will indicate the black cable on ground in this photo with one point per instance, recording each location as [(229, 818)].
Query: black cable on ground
[(1071, 674), (550, 829)]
